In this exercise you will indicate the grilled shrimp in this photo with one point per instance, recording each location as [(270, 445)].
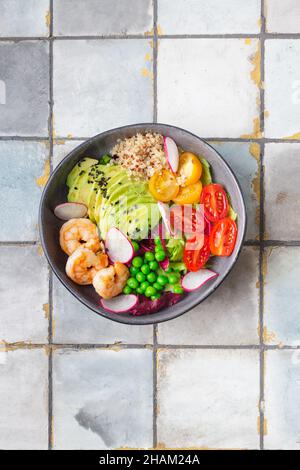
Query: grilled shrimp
[(79, 232), (110, 281), (83, 264)]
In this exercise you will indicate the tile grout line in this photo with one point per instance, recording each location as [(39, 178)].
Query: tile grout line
[(50, 338), (146, 37), (155, 327), (262, 230), (121, 346)]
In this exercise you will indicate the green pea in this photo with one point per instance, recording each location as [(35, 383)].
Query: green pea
[(132, 282), (150, 291), (140, 277), (149, 256), (157, 241), (158, 286), (127, 290), (160, 255), (144, 286), (139, 290), (137, 262), (178, 290), (173, 279), (146, 268), (169, 270), (151, 277), (155, 296), (162, 280), (153, 265), (133, 270), (135, 245)]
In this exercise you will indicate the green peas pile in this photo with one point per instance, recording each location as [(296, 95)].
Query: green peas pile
[(146, 275)]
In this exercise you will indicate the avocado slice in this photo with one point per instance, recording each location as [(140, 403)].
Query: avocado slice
[(84, 164)]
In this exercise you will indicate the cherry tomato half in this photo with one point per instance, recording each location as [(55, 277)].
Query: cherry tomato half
[(196, 252), (163, 185), (187, 219), (190, 168), (215, 202), (189, 194), (223, 237)]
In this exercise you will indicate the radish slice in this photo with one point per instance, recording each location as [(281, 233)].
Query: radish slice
[(118, 246), (193, 280), (165, 214), (120, 304), (172, 153), (70, 210), (164, 264)]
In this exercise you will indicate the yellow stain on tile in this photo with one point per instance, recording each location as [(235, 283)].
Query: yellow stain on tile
[(148, 57), (48, 18), (46, 310), (265, 426), (42, 180), (40, 250), (248, 41), (259, 22), (159, 30), (146, 73), (149, 33), (69, 136), (266, 114), (256, 134), (295, 136), (268, 336), (255, 61), (254, 149), (59, 142)]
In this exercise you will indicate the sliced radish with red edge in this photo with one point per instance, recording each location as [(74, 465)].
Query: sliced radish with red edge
[(194, 280), (120, 304), (172, 153), (70, 210), (165, 214), (118, 246)]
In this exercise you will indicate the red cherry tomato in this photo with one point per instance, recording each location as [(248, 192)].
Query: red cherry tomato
[(215, 202), (196, 252), (223, 237)]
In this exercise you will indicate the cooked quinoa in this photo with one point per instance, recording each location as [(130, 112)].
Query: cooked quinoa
[(141, 154)]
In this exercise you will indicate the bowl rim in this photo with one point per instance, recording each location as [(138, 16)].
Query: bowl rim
[(149, 319)]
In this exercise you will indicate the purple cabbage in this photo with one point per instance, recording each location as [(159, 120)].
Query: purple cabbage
[(147, 306)]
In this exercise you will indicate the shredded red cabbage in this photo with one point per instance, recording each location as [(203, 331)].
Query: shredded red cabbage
[(147, 306)]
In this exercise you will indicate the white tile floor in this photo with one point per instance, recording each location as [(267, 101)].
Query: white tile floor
[(227, 374)]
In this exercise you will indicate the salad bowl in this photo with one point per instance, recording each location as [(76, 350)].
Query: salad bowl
[(55, 193)]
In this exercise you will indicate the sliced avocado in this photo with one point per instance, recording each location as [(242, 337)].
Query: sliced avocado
[(84, 164)]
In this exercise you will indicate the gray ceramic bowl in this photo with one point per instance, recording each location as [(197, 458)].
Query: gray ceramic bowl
[(56, 192)]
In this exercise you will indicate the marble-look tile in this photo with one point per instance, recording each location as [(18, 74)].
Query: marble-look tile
[(282, 88), (24, 171), (62, 148), (208, 398), (102, 399), (24, 83), (209, 86), (208, 16), (282, 16), (282, 295), (25, 19), (282, 400), (23, 399), (75, 323), (99, 85), (243, 159), (91, 17), (23, 295), (282, 191), (228, 317)]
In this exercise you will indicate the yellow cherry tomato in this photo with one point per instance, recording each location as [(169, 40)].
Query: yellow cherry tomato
[(189, 194), (163, 185), (190, 168)]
